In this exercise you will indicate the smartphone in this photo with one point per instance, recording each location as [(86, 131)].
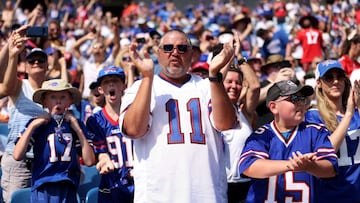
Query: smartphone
[(141, 40), (37, 31)]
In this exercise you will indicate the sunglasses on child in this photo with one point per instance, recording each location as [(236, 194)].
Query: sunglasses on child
[(32, 61), (295, 99), (168, 48)]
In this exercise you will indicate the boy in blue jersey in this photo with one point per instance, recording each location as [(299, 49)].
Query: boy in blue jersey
[(58, 139), (285, 156), (114, 151)]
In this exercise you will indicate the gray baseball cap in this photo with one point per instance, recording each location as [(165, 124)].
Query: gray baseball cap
[(286, 88)]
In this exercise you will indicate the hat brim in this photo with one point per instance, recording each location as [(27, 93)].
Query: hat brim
[(329, 69), (304, 90), (99, 79), (313, 20), (40, 53), (75, 93), (279, 64), (245, 20)]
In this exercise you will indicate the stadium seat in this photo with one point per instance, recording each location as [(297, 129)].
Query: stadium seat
[(92, 195), (21, 196), (24, 195), (91, 180)]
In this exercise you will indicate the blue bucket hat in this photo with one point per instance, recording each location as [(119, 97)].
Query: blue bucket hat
[(111, 70), (323, 67)]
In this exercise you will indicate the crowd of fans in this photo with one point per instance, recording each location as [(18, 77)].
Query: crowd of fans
[(280, 40)]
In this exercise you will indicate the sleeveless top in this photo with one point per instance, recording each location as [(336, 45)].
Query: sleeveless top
[(20, 113)]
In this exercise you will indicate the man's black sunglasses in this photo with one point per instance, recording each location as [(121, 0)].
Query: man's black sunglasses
[(182, 48)]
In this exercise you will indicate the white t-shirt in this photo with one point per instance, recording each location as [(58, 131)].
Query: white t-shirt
[(234, 142), (91, 72)]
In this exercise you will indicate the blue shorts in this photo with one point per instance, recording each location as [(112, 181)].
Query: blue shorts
[(57, 192)]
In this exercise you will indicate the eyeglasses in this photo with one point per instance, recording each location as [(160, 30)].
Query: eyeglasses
[(126, 58), (32, 61), (331, 77), (168, 48), (295, 99)]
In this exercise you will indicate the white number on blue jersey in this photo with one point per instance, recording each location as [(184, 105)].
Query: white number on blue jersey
[(290, 185), (344, 158), (66, 155), (114, 147)]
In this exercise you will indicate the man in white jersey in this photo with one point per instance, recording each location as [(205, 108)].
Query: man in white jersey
[(175, 119)]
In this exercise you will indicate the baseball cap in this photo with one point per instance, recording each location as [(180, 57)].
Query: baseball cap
[(93, 85), (56, 85), (323, 67), (111, 70), (200, 65), (36, 51), (50, 50), (286, 88)]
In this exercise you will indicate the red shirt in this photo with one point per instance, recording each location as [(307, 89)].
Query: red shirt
[(311, 42), (348, 64)]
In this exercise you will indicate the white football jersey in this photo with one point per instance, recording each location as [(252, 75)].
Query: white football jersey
[(181, 157)]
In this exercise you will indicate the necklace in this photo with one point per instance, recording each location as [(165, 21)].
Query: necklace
[(58, 132)]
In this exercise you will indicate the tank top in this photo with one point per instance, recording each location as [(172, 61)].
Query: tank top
[(20, 113)]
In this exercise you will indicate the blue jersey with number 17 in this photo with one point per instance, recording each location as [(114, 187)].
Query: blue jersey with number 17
[(345, 187), (268, 143), (55, 154)]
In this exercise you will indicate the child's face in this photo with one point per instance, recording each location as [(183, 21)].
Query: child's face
[(112, 88), (57, 102), (290, 110)]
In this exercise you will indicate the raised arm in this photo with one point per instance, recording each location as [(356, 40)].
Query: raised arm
[(116, 39), (11, 83), (79, 42), (137, 116), (223, 112), (253, 88), (338, 136), (4, 57)]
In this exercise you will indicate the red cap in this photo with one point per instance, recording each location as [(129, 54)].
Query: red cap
[(200, 65)]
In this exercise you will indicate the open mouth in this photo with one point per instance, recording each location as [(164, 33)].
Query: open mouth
[(112, 92)]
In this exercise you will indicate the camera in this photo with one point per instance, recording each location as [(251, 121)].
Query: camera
[(37, 31)]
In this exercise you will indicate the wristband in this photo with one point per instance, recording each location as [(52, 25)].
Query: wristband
[(217, 78)]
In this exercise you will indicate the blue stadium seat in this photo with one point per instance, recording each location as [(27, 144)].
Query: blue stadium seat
[(91, 180), (92, 195), (21, 196), (24, 195)]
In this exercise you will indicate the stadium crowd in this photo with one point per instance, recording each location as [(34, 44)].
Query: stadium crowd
[(310, 44)]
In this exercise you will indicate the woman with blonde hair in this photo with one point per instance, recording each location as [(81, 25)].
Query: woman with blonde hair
[(335, 109)]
